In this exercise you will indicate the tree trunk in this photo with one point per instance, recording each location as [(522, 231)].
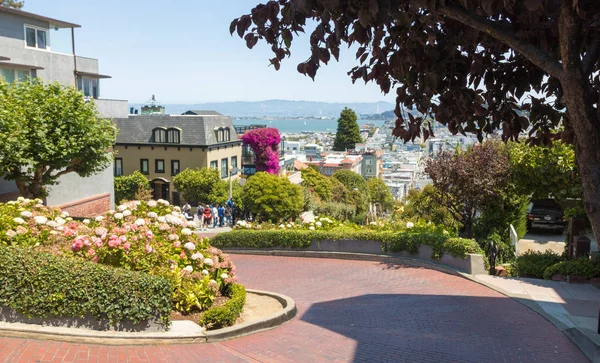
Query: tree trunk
[(587, 149), (583, 116)]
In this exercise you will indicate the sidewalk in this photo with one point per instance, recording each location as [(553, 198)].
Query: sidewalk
[(211, 232), (573, 308)]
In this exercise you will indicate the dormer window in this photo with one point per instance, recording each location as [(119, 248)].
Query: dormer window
[(36, 37), (159, 135), (173, 136), (220, 133), (227, 134)]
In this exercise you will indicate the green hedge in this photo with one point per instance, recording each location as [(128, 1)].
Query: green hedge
[(533, 264), (580, 267), (396, 241), (41, 285), (227, 314)]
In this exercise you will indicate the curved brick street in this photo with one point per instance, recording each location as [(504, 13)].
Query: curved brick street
[(353, 311)]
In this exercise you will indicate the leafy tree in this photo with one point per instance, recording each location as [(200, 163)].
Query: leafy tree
[(220, 193), (270, 197), (380, 193), (348, 132), (12, 4), (465, 64), (201, 185), (543, 172), (425, 204), (317, 183), (465, 182), (130, 187), (352, 180), (339, 192), (49, 130), (509, 207)]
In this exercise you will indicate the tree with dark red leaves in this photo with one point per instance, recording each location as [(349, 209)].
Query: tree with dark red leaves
[(475, 66)]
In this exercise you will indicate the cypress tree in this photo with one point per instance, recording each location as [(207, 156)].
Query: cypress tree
[(348, 132)]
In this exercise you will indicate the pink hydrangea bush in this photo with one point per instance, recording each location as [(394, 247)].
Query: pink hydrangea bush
[(27, 222), (265, 145), (151, 237)]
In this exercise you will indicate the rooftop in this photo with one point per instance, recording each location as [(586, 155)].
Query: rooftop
[(54, 23), (195, 130)]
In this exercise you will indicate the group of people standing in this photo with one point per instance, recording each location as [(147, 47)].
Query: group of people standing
[(214, 214)]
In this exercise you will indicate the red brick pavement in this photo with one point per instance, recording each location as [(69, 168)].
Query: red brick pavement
[(353, 311)]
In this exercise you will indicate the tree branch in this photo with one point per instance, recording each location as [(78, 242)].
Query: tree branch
[(591, 57), (66, 171), (529, 51)]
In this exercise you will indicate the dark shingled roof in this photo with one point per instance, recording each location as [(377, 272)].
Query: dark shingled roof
[(195, 130), (202, 113)]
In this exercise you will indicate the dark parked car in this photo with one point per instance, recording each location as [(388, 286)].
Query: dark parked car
[(545, 214)]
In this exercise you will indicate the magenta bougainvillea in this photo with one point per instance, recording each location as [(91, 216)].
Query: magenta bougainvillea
[(265, 145)]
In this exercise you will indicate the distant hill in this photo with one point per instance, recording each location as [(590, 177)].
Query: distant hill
[(279, 108)]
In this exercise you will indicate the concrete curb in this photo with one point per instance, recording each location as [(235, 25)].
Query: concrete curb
[(588, 347), (270, 322), (73, 335)]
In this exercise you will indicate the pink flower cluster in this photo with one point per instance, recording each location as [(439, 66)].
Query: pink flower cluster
[(265, 145)]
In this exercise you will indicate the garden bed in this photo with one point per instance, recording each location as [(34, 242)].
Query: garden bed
[(463, 254)]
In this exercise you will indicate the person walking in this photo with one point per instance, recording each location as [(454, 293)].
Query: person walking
[(207, 216), (200, 213), (228, 216), (221, 211), (215, 215)]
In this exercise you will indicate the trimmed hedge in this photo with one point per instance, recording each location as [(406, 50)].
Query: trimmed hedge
[(580, 267), (227, 314), (37, 284), (461, 247), (533, 264), (396, 241)]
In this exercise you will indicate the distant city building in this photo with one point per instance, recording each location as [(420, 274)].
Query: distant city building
[(25, 51), (161, 146), (313, 152), (338, 161)]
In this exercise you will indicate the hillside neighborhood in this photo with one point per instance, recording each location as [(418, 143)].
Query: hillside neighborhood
[(461, 226)]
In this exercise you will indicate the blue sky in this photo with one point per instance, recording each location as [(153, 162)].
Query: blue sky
[(182, 52)]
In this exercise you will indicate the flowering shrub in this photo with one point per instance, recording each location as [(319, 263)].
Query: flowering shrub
[(151, 237), (265, 145), (320, 223)]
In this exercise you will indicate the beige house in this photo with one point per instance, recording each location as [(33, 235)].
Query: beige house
[(160, 146)]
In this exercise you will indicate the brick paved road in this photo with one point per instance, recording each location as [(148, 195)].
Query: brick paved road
[(353, 311)]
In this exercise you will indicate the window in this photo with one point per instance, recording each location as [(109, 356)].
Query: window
[(118, 166), (213, 165), (234, 162), (144, 167), (174, 167), (173, 136), (227, 134), (220, 135), (224, 168), (89, 86), (160, 135), (15, 75), (35, 37), (369, 162), (159, 166)]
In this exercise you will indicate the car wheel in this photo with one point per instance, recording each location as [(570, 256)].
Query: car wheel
[(528, 226)]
